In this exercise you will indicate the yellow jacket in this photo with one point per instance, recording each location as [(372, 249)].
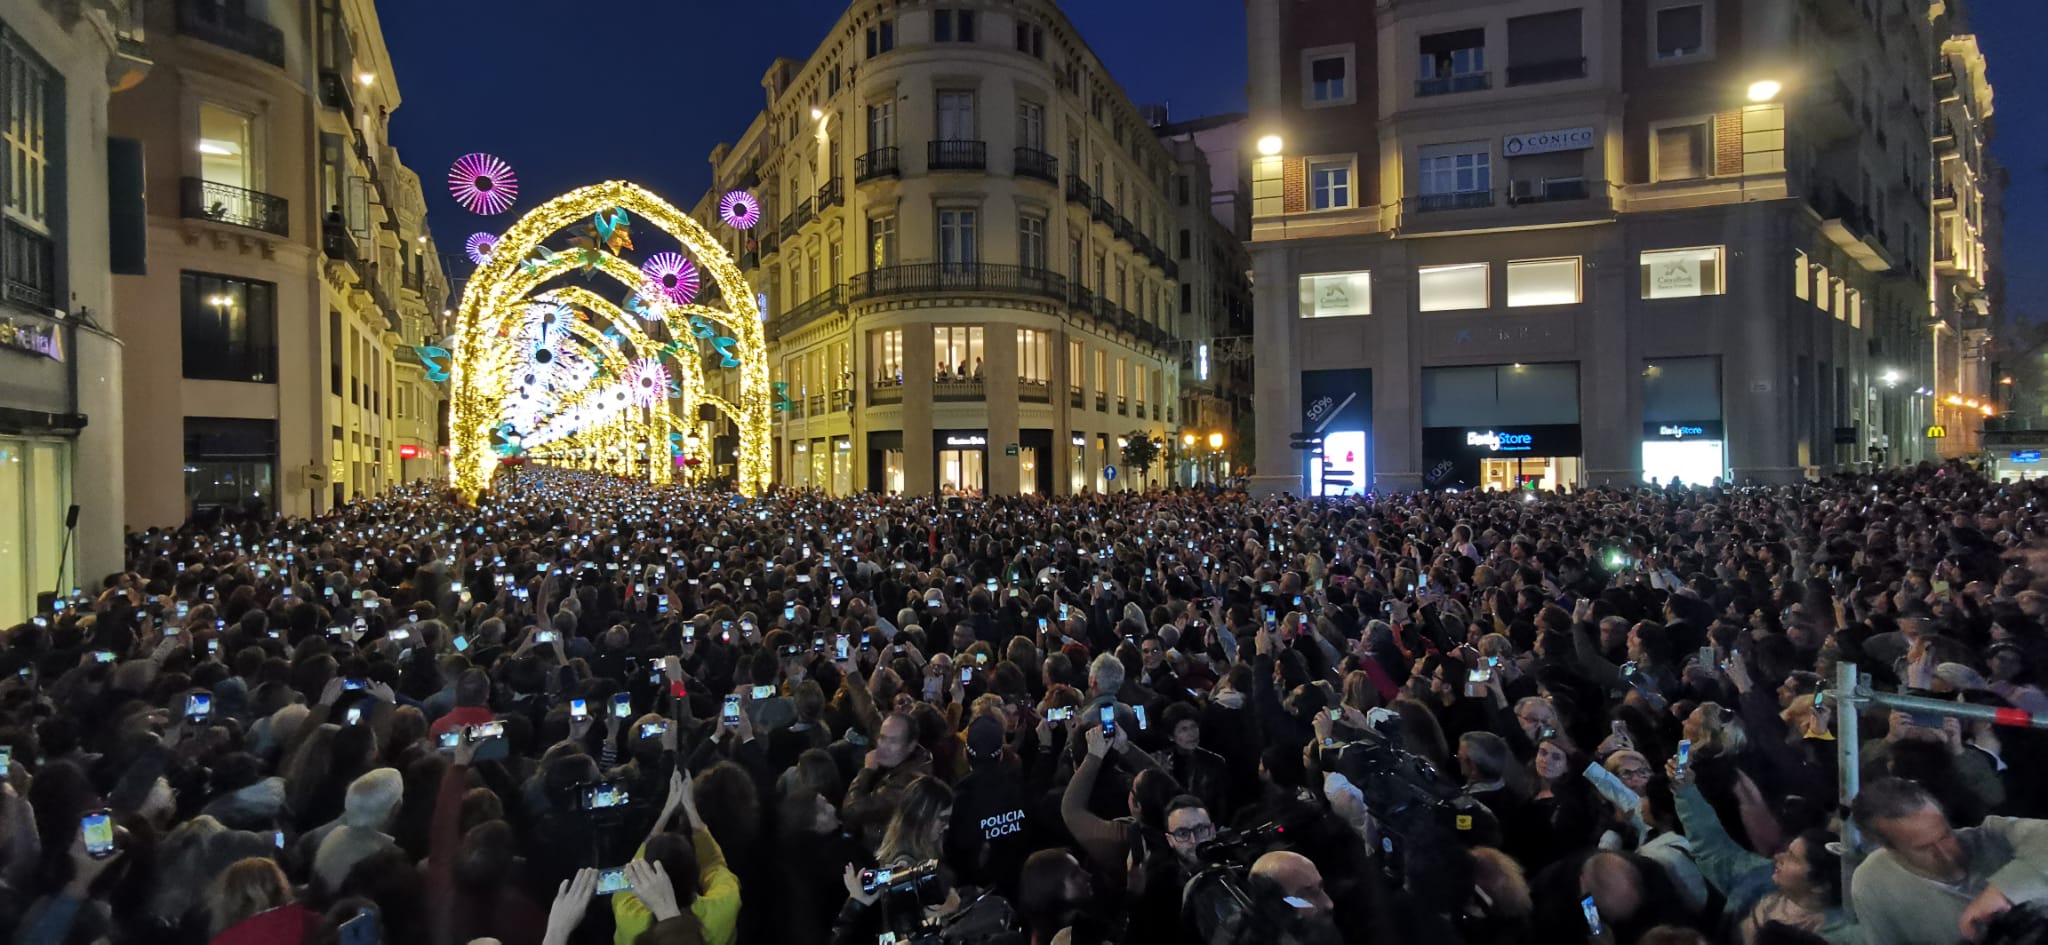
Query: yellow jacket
[(718, 900)]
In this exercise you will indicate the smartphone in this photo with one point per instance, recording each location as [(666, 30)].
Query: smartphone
[(1592, 912), (351, 684), (871, 880), (461, 644), (486, 731), (789, 611), (1337, 714), (1139, 711), (199, 706), (1819, 696), (449, 739), (653, 729), (6, 760), (764, 692), (612, 881), (1476, 680), (1059, 713), (579, 709), (622, 705), (991, 584), (98, 828), (545, 636), (839, 647), (277, 839), (355, 715), (1108, 717), (361, 930), (1707, 657), (102, 656), (966, 675), (729, 715), (1684, 754)]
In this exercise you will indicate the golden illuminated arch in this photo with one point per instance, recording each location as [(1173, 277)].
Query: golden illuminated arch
[(497, 298)]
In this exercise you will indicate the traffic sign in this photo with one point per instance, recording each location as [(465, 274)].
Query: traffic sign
[(1109, 473), (1010, 450), (1312, 442)]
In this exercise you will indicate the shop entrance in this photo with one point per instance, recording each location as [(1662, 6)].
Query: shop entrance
[(1545, 473)]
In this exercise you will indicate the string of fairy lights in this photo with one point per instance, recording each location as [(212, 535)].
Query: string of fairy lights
[(557, 372)]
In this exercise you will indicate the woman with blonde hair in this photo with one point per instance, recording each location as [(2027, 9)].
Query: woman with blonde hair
[(251, 904), (917, 832)]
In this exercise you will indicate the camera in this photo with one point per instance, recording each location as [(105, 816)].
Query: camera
[(919, 879), (604, 795)]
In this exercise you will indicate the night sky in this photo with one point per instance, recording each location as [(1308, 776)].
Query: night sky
[(644, 95)]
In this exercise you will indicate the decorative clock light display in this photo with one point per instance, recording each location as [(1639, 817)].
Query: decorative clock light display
[(479, 246), (483, 184), (553, 371), (739, 209), (674, 275)]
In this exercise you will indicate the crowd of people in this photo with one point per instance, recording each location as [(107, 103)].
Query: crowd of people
[(590, 710)]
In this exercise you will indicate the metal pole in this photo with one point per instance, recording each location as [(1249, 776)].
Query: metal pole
[(1848, 758)]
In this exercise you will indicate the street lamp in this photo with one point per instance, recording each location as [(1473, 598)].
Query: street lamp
[(1270, 145), (1763, 90), (1215, 441)]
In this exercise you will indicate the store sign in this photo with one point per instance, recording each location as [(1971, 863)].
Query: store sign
[(1501, 442), (1324, 295), (1546, 142), (408, 451), (973, 439), (1937, 432), (32, 339), (1675, 277), (1683, 430), (2026, 457)]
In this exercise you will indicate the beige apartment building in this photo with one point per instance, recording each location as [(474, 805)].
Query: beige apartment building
[(1535, 243), (290, 271), (964, 254), (1965, 188)]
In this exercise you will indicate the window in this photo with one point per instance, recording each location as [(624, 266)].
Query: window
[(27, 85), (1452, 62), (1187, 298), (1855, 308), (1682, 273), (1681, 31), (1074, 367), (227, 158), (1679, 152), (1802, 274), (1328, 294), (1452, 288), (1545, 47), (1181, 189), (1544, 282), (1031, 40), (885, 353), (837, 273), (230, 463), (881, 125), (1122, 285), (1031, 241), (956, 116), (881, 38), (334, 353), (956, 237), (1034, 356), (958, 349), (230, 328), (1269, 186), (1327, 76), (1186, 243), (1456, 168), (881, 240), (1031, 126), (953, 26), (1123, 381), (1329, 185), (1101, 376)]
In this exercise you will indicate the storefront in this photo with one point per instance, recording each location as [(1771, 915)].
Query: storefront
[(1496, 459), (1338, 406), (885, 461), (1077, 464), (1687, 451), (961, 461), (2017, 465), (842, 466), (1034, 462)]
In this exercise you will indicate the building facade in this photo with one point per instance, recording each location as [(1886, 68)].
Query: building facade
[(60, 354), (964, 251), (1966, 188), (290, 271), (1212, 223), (1532, 243)]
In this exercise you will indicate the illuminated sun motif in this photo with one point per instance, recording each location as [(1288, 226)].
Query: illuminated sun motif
[(479, 246), (483, 184), (675, 276), (649, 380), (739, 209)]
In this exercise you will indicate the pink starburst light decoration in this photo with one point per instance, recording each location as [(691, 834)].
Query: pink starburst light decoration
[(479, 246), (739, 209), (483, 184), (649, 381), (673, 275)]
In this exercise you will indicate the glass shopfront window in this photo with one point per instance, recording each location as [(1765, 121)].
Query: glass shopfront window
[(842, 466), (1077, 466), (35, 491)]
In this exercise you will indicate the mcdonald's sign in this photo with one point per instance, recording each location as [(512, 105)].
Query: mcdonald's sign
[(1937, 432)]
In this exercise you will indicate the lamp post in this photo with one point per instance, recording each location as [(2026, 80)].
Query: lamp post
[(1194, 468), (1215, 460)]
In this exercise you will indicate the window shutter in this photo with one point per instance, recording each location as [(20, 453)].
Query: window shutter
[(1681, 152)]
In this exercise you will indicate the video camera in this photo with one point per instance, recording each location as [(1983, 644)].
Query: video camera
[(903, 894)]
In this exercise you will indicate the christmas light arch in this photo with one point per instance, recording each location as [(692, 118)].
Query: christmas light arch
[(497, 301)]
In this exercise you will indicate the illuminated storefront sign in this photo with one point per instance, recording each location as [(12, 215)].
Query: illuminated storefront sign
[(32, 339), (1501, 442)]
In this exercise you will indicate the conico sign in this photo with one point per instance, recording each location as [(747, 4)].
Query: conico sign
[(1545, 142)]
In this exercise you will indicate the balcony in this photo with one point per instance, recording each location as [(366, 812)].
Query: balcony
[(28, 267), (750, 259), (231, 28), (1101, 402), (833, 194), (813, 308), (1075, 398), (959, 389), (816, 405), (1944, 137), (1034, 392), (770, 242), (881, 162), (796, 409), (334, 93), (1031, 162), (944, 278), (1547, 191), (223, 203), (796, 219), (885, 392), (842, 399), (1123, 405), (1453, 84), (1944, 193), (1437, 203), (1102, 210), (339, 245), (1556, 70), (957, 156), (1078, 192)]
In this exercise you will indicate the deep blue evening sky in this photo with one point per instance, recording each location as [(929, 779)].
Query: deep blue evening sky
[(642, 89)]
